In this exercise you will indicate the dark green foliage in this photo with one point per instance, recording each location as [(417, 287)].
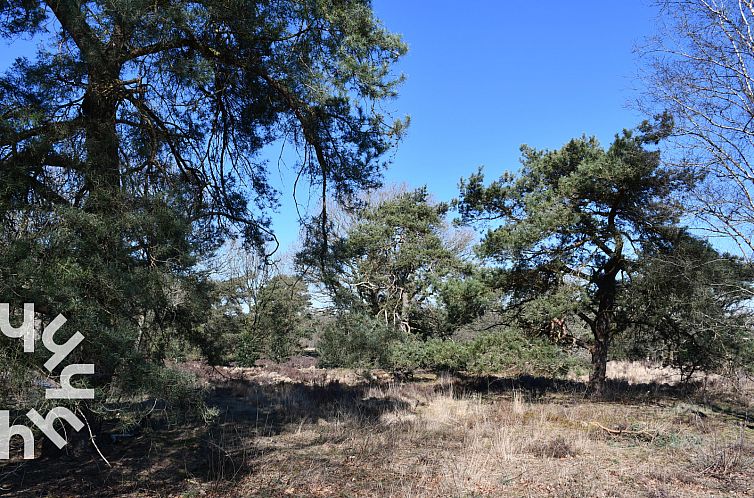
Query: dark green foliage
[(465, 298), (276, 323), (511, 351), (248, 349), (180, 350), (130, 152), (255, 315), (503, 351), (569, 225), (691, 309), (180, 390), (220, 336), (126, 308), (390, 263), (431, 354), (356, 340), (16, 379)]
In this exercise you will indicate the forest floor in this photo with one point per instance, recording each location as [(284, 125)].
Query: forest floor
[(294, 430)]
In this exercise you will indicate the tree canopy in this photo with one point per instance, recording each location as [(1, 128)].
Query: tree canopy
[(570, 224), (689, 307), (132, 97), (391, 261), (131, 147), (699, 67)]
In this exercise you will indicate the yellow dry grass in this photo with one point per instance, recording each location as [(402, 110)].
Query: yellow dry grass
[(443, 441), (333, 433)]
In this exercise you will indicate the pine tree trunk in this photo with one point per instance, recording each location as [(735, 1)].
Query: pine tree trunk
[(100, 110), (602, 330), (598, 377), (103, 172)]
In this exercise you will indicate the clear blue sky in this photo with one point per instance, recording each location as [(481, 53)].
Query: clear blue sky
[(485, 76)]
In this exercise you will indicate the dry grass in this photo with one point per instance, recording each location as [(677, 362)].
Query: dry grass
[(351, 436), (441, 440)]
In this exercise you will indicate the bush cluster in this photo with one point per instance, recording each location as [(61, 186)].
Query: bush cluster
[(360, 341), (506, 350), (356, 340)]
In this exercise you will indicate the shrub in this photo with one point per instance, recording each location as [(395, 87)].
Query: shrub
[(721, 459), (250, 348), (511, 350), (447, 354), (432, 354), (181, 350), (356, 340), (503, 351), (408, 355), (555, 448)]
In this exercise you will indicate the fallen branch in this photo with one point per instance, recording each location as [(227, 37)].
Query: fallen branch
[(618, 431), (91, 438), (511, 479)]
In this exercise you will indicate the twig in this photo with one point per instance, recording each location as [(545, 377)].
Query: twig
[(222, 374), (91, 438), (618, 431), (506, 481)]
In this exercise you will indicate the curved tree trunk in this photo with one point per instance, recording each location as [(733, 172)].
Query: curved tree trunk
[(598, 377), (602, 327)]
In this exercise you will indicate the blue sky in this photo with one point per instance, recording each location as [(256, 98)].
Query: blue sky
[(491, 75), (484, 77)]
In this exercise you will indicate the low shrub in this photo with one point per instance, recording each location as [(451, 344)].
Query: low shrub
[(432, 354), (249, 348), (502, 351), (555, 448), (408, 355), (721, 459), (356, 340), (511, 350)]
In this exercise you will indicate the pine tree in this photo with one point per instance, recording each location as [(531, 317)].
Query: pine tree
[(390, 263), (130, 149), (570, 224)]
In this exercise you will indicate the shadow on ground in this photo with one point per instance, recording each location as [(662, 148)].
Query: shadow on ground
[(162, 455), (538, 387)]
